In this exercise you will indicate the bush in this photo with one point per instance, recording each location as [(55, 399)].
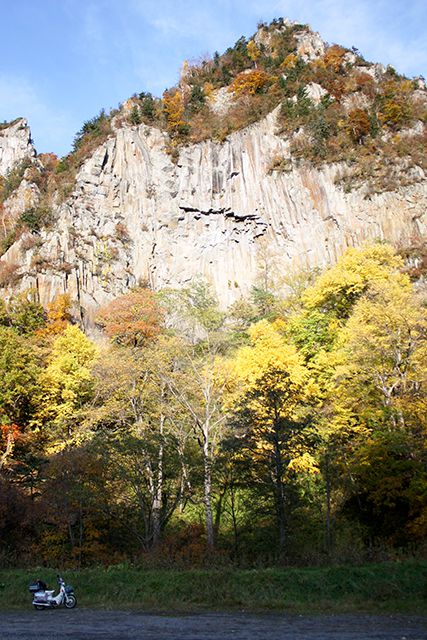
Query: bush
[(250, 82), (13, 179), (9, 273), (35, 218), (95, 130)]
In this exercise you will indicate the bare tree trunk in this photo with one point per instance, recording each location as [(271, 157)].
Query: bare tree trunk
[(328, 531), (280, 508), (279, 487), (80, 534), (9, 448), (207, 497), (234, 520), (158, 489)]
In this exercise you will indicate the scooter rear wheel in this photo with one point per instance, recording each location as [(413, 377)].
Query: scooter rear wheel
[(70, 602)]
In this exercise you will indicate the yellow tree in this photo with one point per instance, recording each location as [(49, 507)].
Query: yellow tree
[(385, 346), (379, 387), (67, 381), (338, 288), (173, 105), (253, 51), (320, 332), (266, 400), (58, 315)]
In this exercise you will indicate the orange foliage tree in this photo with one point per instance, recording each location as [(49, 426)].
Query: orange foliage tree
[(334, 57), (358, 124), (58, 315), (173, 106), (132, 319), (250, 82)]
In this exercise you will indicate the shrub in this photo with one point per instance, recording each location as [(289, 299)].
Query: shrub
[(35, 218), (122, 232), (13, 179), (358, 124), (250, 82), (95, 130), (9, 273), (334, 57)]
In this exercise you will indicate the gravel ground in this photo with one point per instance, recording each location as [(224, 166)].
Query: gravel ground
[(88, 624)]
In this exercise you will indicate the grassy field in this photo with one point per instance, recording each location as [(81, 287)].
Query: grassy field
[(386, 588)]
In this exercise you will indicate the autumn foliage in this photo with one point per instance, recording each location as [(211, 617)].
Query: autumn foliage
[(133, 318), (173, 106), (250, 82)]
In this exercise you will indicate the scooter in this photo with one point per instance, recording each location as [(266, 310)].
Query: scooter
[(44, 598)]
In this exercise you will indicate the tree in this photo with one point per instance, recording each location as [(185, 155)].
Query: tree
[(131, 319), (19, 371), (253, 52), (67, 382), (8, 435), (196, 383), (249, 83), (270, 385), (338, 288), (25, 314), (378, 411), (385, 347), (58, 315), (140, 425), (173, 106), (358, 124)]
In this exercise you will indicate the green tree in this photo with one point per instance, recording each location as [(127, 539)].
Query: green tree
[(196, 383), (19, 372), (142, 428)]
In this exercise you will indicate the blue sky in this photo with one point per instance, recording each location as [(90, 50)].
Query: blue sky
[(64, 60)]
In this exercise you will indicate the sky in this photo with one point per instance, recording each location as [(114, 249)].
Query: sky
[(62, 61)]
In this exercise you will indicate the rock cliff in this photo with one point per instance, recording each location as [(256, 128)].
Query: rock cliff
[(15, 144), (223, 210), (219, 211)]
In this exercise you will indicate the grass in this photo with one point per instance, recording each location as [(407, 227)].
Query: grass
[(375, 588)]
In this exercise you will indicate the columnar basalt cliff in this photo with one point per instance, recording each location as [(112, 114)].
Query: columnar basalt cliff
[(219, 209), (15, 144)]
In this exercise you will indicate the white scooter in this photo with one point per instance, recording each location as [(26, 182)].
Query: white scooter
[(43, 597)]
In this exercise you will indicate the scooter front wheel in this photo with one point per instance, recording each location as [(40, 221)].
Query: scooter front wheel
[(39, 607), (70, 602)]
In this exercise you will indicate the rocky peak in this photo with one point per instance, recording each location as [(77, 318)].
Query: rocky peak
[(15, 144)]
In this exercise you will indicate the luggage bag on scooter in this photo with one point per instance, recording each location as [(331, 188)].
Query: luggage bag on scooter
[(37, 586)]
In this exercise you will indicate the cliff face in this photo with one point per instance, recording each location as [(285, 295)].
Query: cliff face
[(15, 145), (219, 211)]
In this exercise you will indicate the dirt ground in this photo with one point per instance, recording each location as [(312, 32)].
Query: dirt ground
[(88, 624)]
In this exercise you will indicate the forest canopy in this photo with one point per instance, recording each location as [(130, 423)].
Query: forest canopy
[(290, 429)]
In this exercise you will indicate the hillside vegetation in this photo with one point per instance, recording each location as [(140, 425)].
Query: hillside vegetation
[(290, 430)]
